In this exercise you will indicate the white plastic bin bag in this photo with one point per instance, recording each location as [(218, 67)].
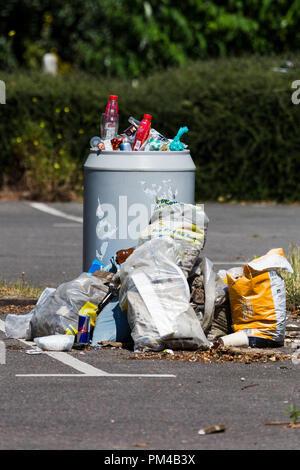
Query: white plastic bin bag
[(155, 295)]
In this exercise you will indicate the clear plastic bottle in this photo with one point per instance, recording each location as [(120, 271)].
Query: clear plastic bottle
[(143, 131), (110, 119)]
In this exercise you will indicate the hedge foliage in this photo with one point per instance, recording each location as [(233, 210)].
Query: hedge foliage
[(243, 127), (132, 37)]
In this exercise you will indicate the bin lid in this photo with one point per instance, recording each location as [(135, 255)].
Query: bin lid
[(140, 161)]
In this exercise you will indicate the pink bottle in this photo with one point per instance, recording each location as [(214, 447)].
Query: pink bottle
[(143, 132), (110, 122)]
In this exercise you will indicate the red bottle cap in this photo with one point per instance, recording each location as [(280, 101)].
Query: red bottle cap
[(113, 97), (148, 116)]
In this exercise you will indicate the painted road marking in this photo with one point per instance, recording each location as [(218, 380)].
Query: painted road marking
[(95, 375), (86, 369), (50, 210)]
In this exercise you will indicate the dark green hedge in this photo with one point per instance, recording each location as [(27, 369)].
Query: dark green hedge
[(244, 129)]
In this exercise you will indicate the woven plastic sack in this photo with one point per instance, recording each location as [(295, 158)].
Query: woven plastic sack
[(257, 297)]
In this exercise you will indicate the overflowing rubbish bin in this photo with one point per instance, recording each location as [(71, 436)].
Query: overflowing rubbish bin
[(124, 175), (145, 278)]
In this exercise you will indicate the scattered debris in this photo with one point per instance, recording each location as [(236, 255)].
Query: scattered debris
[(110, 344), (285, 424), (213, 429), (249, 386), (16, 309), (293, 423), (168, 302), (217, 354), (168, 351), (55, 342), (33, 352)]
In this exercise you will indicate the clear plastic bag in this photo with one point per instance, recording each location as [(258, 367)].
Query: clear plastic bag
[(155, 295), (55, 342), (19, 326), (59, 310)]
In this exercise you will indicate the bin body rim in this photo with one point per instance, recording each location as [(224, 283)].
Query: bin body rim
[(155, 161)]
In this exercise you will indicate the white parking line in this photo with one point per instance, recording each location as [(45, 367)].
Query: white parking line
[(50, 210), (86, 369)]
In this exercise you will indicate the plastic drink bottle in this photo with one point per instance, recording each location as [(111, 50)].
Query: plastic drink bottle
[(110, 122), (143, 131), (153, 133)]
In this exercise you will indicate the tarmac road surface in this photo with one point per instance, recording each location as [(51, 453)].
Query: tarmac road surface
[(47, 247), (48, 404)]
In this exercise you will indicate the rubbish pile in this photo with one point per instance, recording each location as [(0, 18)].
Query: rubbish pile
[(163, 293), (139, 136)]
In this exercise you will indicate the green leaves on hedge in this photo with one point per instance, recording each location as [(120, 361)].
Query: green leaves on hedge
[(127, 38)]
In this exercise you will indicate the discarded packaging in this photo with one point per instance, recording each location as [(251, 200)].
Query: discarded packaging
[(33, 352), (110, 119), (96, 266), (84, 329), (257, 299), (139, 136), (176, 145), (213, 429), (58, 312), (239, 339), (142, 132), (19, 326), (55, 342), (96, 143), (125, 145), (111, 325)]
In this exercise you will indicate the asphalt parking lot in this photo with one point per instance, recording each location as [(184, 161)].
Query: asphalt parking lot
[(107, 400)]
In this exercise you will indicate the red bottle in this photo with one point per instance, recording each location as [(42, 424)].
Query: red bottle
[(112, 106), (142, 133), (110, 124)]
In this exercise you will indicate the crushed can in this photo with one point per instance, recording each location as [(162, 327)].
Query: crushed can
[(84, 328), (125, 145)]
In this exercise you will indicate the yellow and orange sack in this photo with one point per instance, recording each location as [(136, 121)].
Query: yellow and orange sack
[(257, 298)]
